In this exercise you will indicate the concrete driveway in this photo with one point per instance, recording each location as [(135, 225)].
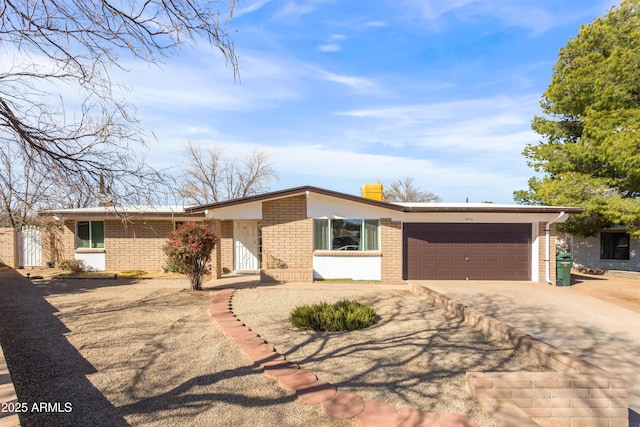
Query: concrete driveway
[(575, 318)]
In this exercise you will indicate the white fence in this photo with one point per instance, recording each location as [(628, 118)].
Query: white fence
[(29, 247)]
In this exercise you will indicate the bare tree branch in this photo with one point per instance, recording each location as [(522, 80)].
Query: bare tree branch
[(209, 177), (403, 190), (49, 45)]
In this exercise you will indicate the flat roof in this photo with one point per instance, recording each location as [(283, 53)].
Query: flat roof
[(395, 206), (139, 210)]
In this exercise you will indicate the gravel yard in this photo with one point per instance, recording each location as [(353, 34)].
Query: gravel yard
[(147, 353), (414, 356)]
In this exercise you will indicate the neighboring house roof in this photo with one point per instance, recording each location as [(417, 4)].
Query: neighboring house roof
[(396, 206), (127, 211)]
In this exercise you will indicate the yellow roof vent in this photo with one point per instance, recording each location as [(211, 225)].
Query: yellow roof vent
[(372, 191)]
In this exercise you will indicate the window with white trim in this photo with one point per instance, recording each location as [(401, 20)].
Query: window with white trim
[(346, 234), (90, 234)]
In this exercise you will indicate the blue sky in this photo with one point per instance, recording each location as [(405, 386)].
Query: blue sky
[(342, 93)]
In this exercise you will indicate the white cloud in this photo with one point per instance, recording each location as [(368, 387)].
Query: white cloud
[(298, 8), (205, 82), (434, 9), (331, 47), (256, 5), (334, 43), (375, 24), (490, 125), (343, 170), (359, 84), (535, 15)]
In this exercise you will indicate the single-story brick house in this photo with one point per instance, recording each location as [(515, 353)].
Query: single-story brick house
[(116, 239), (307, 233), (610, 249)]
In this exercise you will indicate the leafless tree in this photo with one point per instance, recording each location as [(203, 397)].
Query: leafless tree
[(210, 177), (403, 190), (54, 47), (21, 189)]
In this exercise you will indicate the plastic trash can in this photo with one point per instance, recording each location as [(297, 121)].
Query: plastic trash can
[(564, 262)]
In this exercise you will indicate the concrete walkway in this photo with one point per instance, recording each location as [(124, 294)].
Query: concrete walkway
[(600, 332)]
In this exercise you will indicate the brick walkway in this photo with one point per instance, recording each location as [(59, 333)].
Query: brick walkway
[(334, 403)]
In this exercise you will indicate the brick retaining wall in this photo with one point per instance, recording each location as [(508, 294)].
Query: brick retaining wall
[(577, 394)]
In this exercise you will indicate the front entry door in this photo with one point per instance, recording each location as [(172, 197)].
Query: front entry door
[(245, 244)]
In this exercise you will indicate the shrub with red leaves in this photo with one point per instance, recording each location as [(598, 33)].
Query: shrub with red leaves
[(188, 248)]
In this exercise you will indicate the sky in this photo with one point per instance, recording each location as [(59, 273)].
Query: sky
[(341, 93)]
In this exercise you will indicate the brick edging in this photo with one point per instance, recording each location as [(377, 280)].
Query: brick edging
[(334, 403), (577, 393)]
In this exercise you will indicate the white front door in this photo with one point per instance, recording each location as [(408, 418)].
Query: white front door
[(245, 246)]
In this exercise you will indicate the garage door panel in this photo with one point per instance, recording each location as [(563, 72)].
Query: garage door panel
[(467, 251)]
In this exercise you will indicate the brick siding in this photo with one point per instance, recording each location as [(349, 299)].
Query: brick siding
[(67, 240), (8, 247), (287, 240), (226, 246), (391, 247), (136, 244)]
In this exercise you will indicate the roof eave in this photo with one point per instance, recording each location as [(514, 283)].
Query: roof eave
[(489, 209), (68, 214), (290, 193)]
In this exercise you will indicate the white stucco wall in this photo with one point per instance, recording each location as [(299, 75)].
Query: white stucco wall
[(347, 267), (586, 251), (95, 260)]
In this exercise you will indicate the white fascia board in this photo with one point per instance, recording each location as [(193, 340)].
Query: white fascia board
[(322, 206), (249, 211), (477, 217)]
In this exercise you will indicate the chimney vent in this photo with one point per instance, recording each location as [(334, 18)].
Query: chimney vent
[(372, 191)]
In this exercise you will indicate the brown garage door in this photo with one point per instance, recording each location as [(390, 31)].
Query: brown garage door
[(467, 251)]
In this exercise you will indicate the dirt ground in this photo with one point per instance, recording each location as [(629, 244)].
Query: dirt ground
[(145, 352), (622, 290)]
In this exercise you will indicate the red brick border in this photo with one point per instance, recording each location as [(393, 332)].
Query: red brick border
[(334, 403)]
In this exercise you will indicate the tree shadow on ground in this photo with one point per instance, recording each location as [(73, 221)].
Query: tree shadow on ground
[(150, 348), (189, 401), (44, 366), (614, 353), (414, 356), (578, 278)]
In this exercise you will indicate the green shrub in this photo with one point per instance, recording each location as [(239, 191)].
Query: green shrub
[(344, 315), (170, 267)]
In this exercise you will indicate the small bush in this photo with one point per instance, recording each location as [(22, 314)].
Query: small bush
[(344, 315), (74, 265), (170, 267), (188, 248)]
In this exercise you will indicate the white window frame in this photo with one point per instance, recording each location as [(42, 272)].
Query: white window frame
[(330, 237), (78, 241)]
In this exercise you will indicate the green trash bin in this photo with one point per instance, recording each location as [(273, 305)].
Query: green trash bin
[(564, 262)]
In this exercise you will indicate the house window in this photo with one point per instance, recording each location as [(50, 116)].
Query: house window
[(614, 246), (90, 234), (345, 234)]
